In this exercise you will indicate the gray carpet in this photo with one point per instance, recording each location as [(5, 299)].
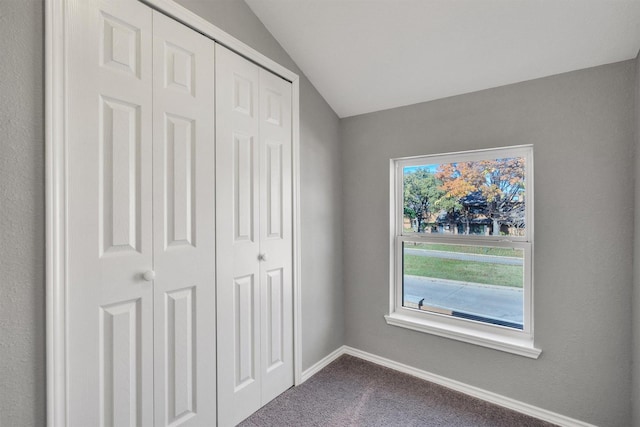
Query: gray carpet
[(353, 392)]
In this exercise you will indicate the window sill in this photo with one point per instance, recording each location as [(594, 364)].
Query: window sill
[(519, 346)]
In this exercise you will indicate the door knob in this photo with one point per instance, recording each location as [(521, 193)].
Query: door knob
[(149, 275), (262, 257)]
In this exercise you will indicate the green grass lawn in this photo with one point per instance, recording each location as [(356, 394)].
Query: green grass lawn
[(466, 271), (477, 250)]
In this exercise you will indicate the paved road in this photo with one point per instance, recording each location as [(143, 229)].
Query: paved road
[(496, 302), (464, 257)]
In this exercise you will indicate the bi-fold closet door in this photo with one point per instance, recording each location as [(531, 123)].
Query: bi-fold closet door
[(254, 240), (140, 284)]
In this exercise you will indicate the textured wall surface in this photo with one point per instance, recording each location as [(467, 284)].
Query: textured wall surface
[(22, 291), (582, 127), (636, 261), (321, 185)]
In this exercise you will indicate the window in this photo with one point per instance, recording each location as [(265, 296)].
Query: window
[(462, 247)]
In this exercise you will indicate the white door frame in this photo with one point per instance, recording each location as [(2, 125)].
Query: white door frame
[(56, 184)]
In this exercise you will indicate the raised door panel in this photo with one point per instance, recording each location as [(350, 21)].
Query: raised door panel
[(121, 45), (238, 280), (119, 176), (181, 354), (274, 189), (276, 236), (244, 332), (180, 68), (108, 190), (275, 320), (184, 225), (120, 345), (244, 191), (179, 181)]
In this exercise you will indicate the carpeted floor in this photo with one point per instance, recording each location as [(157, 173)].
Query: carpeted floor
[(353, 392)]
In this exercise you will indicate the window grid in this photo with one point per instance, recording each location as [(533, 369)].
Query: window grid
[(524, 243)]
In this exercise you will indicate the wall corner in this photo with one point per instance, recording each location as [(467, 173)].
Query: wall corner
[(635, 321)]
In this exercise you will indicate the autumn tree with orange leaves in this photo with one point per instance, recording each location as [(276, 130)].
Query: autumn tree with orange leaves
[(500, 183)]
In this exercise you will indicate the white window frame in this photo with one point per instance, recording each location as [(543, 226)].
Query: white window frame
[(498, 337)]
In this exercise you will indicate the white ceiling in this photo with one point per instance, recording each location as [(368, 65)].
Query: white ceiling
[(370, 55)]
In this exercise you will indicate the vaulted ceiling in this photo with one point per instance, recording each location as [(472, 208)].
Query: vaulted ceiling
[(370, 55)]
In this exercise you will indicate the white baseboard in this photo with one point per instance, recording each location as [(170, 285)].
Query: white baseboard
[(318, 366), (488, 396)]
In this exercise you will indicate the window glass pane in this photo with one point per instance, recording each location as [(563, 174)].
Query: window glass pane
[(480, 283), (485, 197)]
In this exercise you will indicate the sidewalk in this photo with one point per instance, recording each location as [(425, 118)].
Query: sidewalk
[(497, 302)]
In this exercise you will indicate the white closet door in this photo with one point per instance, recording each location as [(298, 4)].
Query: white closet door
[(253, 149), (184, 225), (275, 236), (109, 304), (238, 247)]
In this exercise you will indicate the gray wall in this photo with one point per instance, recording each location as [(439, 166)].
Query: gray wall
[(22, 295), (582, 128), (321, 185), (636, 261)]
